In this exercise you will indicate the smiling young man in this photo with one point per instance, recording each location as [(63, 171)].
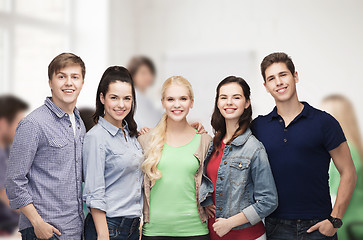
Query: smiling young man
[(44, 177), (300, 141)]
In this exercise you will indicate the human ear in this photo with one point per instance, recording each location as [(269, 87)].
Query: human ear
[(296, 77), (247, 104), (102, 99), (264, 84)]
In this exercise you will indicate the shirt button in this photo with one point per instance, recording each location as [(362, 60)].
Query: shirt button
[(70, 125), (285, 130), (220, 209), (221, 194), (230, 148), (221, 178), (280, 120), (225, 162), (285, 140), (66, 114)]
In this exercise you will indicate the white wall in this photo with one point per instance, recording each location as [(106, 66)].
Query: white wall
[(323, 37), (91, 35)]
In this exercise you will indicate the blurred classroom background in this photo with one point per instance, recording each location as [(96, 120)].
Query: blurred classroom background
[(203, 40)]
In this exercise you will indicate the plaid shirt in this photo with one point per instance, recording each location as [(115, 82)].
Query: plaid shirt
[(45, 168)]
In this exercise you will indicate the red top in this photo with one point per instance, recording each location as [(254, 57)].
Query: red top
[(249, 233)]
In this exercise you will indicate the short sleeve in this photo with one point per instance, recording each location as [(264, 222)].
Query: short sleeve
[(333, 133)]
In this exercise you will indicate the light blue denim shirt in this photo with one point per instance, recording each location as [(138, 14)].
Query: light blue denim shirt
[(244, 183), (111, 167)]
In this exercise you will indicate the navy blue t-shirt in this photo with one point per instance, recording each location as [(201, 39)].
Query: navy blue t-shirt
[(299, 158)]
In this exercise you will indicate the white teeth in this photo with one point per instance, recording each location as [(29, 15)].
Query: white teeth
[(178, 111), (68, 91), (230, 110), (281, 90)]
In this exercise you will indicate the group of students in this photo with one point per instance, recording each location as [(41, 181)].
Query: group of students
[(183, 183)]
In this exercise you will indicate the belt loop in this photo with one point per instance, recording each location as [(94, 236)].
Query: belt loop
[(122, 222)]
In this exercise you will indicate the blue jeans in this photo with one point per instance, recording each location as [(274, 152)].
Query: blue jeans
[(28, 234), (283, 229), (119, 228)]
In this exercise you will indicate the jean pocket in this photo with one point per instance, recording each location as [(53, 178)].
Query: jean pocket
[(270, 227), (113, 229), (54, 237), (325, 236)]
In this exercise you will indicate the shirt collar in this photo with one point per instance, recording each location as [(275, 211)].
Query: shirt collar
[(242, 139), (112, 129), (57, 110), (306, 112)]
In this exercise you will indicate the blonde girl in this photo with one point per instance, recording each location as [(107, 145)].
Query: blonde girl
[(174, 155)]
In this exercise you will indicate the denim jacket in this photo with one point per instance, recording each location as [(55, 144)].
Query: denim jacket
[(244, 183)]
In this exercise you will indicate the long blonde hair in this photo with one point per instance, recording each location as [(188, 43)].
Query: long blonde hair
[(343, 111), (157, 139)]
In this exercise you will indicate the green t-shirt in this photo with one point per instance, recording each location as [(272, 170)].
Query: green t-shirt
[(173, 204), (354, 212)]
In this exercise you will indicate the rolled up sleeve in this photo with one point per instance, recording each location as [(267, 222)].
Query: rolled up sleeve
[(93, 170), (265, 192), (21, 158)]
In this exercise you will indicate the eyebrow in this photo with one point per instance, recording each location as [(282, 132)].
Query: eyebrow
[(177, 97), (114, 94), (67, 74), (277, 74), (238, 94)]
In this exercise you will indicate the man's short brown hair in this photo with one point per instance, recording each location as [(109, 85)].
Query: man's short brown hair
[(63, 60), (10, 106), (277, 57)]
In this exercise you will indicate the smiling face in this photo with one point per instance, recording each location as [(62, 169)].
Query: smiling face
[(231, 101), (177, 102), (66, 85), (117, 102), (280, 82)]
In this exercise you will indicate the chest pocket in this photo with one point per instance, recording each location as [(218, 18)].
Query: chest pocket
[(57, 143), (58, 149), (239, 171)]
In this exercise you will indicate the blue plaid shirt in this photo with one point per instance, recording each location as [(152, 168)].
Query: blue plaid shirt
[(45, 168)]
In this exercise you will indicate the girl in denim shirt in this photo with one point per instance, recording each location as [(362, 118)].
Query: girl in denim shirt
[(111, 162), (238, 189)]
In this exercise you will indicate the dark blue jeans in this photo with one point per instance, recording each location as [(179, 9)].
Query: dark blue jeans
[(283, 229), (119, 228), (28, 234)]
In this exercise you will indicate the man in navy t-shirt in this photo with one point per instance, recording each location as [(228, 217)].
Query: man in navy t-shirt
[(300, 141)]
